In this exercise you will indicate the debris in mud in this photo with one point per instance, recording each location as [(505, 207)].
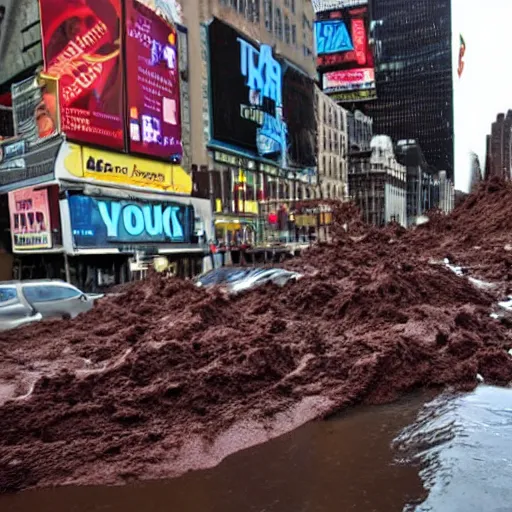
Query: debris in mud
[(118, 391)]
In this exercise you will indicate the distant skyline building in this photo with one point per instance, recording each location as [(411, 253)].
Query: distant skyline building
[(499, 148), (475, 171), (413, 54)]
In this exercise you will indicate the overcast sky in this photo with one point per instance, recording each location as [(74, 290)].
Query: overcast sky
[(486, 84)]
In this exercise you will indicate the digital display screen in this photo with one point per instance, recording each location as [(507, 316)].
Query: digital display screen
[(153, 88), (344, 54), (82, 49), (247, 94), (106, 222), (332, 36)]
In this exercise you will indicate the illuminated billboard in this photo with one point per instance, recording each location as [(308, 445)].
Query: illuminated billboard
[(331, 36), (348, 80), (153, 92), (345, 57), (82, 49), (30, 219), (246, 83)]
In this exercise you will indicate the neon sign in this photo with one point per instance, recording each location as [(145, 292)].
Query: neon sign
[(101, 222), (332, 37), (135, 220)]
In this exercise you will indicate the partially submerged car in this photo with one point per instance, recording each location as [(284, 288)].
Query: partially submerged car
[(24, 302), (236, 279)]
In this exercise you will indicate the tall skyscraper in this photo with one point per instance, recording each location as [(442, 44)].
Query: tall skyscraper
[(414, 76)]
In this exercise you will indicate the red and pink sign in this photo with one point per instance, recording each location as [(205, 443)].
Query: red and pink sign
[(153, 92), (30, 219), (348, 80), (82, 49)]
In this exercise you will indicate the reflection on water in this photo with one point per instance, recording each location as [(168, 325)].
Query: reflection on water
[(374, 459), (464, 446)]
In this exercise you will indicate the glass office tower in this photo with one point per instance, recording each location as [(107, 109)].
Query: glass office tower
[(414, 76)]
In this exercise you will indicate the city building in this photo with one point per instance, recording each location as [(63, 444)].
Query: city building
[(378, 183), (412, 46), (230, 133), (475, 171), (93, 187), (332, 147), (422, 188), (499, 148), (446, 193), (360, 131), (253, 68)]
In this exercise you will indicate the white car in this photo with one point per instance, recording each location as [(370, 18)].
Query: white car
[(24, 302)]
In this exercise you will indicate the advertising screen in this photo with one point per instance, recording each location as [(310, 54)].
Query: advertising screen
[(350, 80), (299, 89), (105, 222), (82, 48), (153, 88), (345, 55), (30, 219), (332, 36), (246, 89)]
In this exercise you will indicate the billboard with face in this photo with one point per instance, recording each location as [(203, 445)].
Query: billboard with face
[(82, 49)]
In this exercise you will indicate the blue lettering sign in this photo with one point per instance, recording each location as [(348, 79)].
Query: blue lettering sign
[(261, 70), (108, 222), (332, 37), (264, 79)]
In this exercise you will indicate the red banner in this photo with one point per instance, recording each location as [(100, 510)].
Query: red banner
[(153, 88), (82, 48)]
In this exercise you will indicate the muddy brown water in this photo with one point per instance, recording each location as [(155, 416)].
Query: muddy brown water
[(440, 454)]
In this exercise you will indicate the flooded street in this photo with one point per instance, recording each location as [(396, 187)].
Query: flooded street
[(452, 454)]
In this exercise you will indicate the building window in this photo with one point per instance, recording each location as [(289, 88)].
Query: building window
[(268, 8), (306, 51), (286, 30), (254, 10), (279, 24), (294, 34), (306, 24), (293, 6)]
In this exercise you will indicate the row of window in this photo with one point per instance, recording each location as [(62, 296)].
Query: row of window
[(276, 21), (333, 169), (333, 117), (334, 142), (250, 9)]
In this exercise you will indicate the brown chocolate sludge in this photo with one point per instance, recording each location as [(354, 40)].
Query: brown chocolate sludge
[(122, 392)]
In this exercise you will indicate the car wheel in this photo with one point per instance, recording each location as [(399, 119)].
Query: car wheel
[(66, 316)]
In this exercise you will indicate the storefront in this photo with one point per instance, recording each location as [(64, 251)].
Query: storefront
[(111, 237), (101, 218)]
